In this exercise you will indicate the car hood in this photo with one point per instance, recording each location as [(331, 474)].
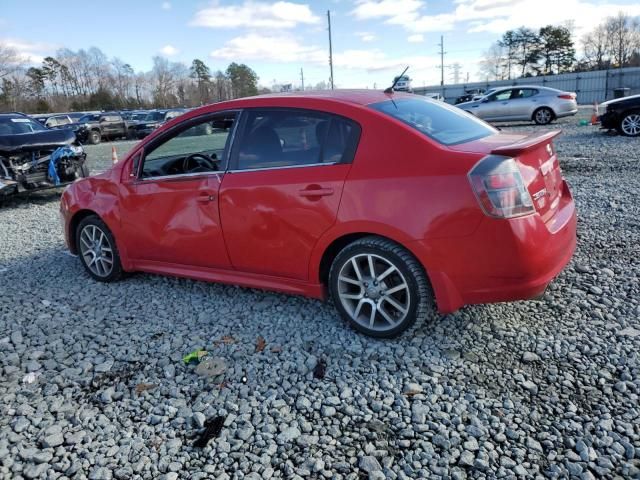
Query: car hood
[(27, 142), (635, 98)]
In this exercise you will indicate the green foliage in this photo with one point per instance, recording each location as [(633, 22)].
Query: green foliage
[(244, 81)]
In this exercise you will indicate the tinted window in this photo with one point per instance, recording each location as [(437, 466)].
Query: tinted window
[(500, 96), (445, 124), (200, 148), (289, 137), (16, 125), (154, 116), (89, 118)]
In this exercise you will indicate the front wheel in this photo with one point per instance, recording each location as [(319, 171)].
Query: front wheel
[(94, 137), (630, 125), (97, 250), (379, 287), (543, 116)]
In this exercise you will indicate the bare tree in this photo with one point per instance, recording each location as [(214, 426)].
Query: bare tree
[(494, 63), (10, 61), (596, 48), (623, 33)]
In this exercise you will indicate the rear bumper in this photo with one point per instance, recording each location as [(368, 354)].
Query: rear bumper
[(567, 111), (503, 260)]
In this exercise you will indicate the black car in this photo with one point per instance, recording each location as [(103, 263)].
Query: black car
[(95, 127), (622, 114), (155, 119), (469, 95), (33, 157)]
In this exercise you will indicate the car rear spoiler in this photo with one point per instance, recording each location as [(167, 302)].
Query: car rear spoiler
[(526, 144)]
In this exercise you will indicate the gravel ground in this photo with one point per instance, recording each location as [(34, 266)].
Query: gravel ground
[(530, 389)]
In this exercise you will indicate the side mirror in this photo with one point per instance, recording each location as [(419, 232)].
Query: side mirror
[(484, 100), (103, 119)]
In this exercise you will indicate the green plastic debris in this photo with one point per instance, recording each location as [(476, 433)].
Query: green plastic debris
[(584, 123), (194, 356)]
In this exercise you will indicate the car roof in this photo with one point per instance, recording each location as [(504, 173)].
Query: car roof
[(357, 97), (13, 115)]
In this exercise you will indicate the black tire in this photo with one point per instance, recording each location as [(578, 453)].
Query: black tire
[(628, 125), (417, 297), (115, 273), (94, 137), (83, 171), (131, 133), (543, 116)]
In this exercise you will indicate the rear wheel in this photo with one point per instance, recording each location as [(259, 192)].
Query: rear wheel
[(97, 250), (543, 116), (379, 287), (94, 137), (630, 124)]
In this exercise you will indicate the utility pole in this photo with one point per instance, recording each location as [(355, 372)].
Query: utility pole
[(302, 78), (442, 52), (330, 49)]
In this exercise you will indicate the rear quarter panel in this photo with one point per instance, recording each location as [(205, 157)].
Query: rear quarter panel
[(406, 187)]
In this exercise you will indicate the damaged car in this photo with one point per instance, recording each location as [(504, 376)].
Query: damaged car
[(33, 157)]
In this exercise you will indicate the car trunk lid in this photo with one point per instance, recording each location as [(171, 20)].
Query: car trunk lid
[(537, 160)]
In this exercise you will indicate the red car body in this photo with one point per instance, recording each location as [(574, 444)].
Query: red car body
[(278, 229)]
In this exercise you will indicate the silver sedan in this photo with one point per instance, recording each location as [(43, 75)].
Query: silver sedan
[(523, 102)]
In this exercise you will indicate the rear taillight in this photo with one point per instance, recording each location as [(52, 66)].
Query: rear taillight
[(568, 96), (498, 185)]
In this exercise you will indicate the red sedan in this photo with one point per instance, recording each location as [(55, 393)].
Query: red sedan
[(393, 205)]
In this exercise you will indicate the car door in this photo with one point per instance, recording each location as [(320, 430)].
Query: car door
[(495, 106), (283, 188), (170, 203), (522, 103)]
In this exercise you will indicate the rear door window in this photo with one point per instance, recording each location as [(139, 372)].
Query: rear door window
[(274, 138), (443, 123)]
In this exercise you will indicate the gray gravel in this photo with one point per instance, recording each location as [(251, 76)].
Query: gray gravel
[(530, 389)]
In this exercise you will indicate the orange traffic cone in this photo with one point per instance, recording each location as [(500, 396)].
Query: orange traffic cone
[(114, 155), (594, 114)]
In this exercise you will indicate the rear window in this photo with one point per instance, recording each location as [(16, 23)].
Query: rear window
[(445, 124)]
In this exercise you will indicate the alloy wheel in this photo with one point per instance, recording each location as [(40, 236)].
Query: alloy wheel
[(374, 292), (543, 116), (96, 250), (631, 125)]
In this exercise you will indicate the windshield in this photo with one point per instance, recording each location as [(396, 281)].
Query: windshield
[(138, 116), (17, 125), (445, 124), (88, 118), (153, 116)]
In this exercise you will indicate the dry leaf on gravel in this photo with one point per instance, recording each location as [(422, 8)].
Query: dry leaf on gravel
[(260, 344), (143, 387)]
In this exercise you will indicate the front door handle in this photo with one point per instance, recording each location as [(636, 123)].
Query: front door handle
[(315, 191), (206, 197)]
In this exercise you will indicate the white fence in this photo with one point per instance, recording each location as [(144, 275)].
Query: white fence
[(590, 87)]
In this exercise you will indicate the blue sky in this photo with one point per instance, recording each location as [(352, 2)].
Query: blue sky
[(372, 39)]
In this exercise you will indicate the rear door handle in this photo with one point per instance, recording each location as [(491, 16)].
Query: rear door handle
[(315, 192), (206, 197)]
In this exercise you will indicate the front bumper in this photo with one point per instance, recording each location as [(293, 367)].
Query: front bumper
[(608, 120), (503, 260)]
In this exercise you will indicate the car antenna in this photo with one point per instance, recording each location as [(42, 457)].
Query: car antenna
[(396, 80)]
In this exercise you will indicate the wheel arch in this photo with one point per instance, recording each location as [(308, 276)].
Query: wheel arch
[(73, 225), (548, 107), (332, 247)]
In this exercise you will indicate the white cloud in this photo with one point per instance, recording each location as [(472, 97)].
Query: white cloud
[(30, 52), (251, 14), (166, 6), (494, 16), (366, 36), (286, 49), (415, 38), (276, 48), (169, 50)]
